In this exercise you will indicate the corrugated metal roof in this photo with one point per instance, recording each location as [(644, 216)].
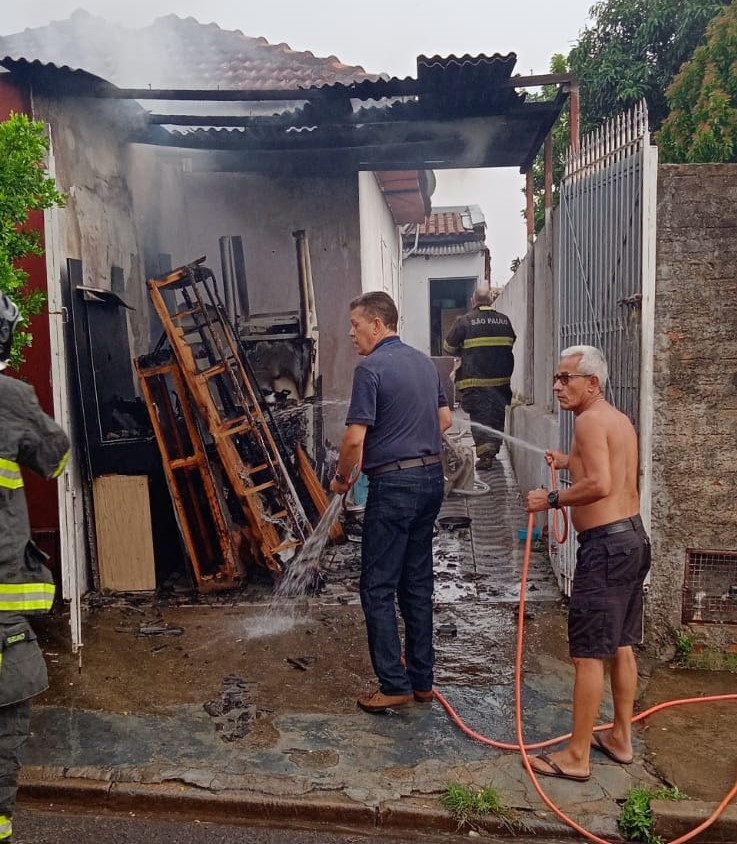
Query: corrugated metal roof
[(258, 100), (382, 138), (175, 52), (470, 84), (442, 250), (181, 53), (80, 79)]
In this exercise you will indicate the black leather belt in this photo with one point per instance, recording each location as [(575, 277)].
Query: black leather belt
[(395, 465), (621, 526)]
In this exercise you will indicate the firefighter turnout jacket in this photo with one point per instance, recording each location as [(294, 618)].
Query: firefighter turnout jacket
[(31, 439), (483, 338)]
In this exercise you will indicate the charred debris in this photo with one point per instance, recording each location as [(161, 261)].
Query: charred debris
[(238, 456)]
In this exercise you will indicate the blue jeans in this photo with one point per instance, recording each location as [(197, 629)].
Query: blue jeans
[(396, 561)]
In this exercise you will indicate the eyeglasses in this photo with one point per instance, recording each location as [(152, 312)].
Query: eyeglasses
[(565, 377)]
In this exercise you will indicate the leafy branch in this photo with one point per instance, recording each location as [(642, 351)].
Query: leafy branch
[(25, 186)]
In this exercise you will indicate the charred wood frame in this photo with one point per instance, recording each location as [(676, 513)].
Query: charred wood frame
[(218, 429)]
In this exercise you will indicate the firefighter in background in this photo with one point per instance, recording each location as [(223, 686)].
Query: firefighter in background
[(483, 339), (28, 438)]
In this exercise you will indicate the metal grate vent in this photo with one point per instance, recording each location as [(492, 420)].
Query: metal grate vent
[(710, 589)]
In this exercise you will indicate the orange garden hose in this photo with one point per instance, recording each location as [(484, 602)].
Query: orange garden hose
[(525, 748)]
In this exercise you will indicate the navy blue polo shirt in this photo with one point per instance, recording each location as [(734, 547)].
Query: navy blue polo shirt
[(396, 394)]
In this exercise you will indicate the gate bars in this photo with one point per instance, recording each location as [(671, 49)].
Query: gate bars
[(606, 275)]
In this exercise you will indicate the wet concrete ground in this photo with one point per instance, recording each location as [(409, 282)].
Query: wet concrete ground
[(239, 695)]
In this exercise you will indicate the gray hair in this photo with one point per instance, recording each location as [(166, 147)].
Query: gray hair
[(482, 296), (592, 361)]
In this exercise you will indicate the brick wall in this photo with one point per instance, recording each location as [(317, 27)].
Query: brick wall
[(695, 381)]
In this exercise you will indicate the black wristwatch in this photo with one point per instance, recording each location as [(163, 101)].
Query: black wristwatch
[(553, 499), (339, 478)]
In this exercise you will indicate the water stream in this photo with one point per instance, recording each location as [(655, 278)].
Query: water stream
[(298, 578), (508, 438), (300, 573)]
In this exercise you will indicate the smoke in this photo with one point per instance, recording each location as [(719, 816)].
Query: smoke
[(181, 53), (176, 53)]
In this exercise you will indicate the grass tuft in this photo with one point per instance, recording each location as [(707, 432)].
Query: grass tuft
[(685, 642), (690, 653), (636, 817), (470, 806)]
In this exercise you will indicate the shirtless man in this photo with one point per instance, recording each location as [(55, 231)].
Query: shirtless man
[(605, 612)]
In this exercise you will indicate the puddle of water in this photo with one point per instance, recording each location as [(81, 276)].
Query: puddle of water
[(453, 566), (270, 624), (300, 576), (482, 651), (451, 593)]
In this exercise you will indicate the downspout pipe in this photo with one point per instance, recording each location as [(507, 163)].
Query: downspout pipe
[(417, 239), (307, 306)]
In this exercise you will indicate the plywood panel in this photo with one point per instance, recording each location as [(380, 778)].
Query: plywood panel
[(125, 551)]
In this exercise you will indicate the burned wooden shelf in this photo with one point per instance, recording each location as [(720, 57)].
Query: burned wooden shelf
[(207, 538), (220, 396)]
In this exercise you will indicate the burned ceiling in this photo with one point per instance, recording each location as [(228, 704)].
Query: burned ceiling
[(460, 112)]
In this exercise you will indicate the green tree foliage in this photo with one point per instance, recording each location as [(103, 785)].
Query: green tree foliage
[(702, 124), (561, 141), (632, 50), (25, 186)]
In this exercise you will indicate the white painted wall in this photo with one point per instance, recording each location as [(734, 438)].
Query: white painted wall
[(417, 272), (380, 240), (538, 369), (512, 301), (535, 423)]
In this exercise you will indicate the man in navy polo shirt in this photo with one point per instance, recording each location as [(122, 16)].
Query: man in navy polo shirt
[(397, 412)]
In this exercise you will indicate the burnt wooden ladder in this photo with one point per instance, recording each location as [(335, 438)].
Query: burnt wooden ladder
[(206, 350), (201, 517)]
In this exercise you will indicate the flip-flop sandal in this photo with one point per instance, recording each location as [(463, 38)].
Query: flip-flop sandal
[(598, 744), (556, 771)]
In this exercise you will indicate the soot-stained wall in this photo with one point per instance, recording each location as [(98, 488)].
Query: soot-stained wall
[(184, 213), (97, 224)]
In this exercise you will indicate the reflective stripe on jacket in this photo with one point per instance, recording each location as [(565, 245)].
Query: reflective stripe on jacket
[(10, 476), (483, 338), (26, 598), (31, 439)]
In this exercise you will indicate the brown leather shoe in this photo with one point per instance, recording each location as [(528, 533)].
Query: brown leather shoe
[(424, 697), (379, 702)]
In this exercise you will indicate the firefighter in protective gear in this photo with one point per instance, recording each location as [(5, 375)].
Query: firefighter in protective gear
[(28, 438), (483, 339)]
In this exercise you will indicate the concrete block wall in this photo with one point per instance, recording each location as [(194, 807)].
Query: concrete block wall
[(695, 381), (694, 503)]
